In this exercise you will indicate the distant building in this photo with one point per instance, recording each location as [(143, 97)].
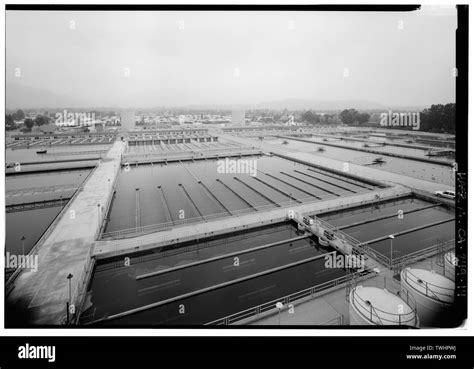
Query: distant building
[(127, 120), (238, 117), (97, 127), (47, 128)]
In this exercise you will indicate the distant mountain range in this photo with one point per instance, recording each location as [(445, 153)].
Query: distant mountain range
[(307, 104), (23, 97)]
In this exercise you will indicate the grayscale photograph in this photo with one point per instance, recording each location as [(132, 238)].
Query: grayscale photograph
[(257, 168)]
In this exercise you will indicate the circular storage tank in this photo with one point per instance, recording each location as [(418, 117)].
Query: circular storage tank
[(449, 265), (376, 306), (433, 293)]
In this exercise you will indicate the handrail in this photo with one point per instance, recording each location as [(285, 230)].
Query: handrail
[(429, 287), (271, 305), (111, 195), (359, 302), (182, 250), (450, 244), (122, 233), (174, 223), (51, 227), (160, 154)]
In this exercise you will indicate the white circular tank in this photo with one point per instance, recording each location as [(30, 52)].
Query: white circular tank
[(449, 265), (376, 306), (433, 293)]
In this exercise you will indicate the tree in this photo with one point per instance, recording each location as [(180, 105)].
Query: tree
[(28, 123), (348, 116), (439, 118), (41, 120), (352, 116), (9, 122), (19, 115), (310, 117), (362, 118)]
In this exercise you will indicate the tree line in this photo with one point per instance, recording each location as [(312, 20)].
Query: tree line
[(19, 115), (311, 117), (439, 118)]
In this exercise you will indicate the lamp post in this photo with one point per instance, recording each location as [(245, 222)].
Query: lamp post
[(391, 248), (23, 238), (279, 306), (69, 277), (98, 214)]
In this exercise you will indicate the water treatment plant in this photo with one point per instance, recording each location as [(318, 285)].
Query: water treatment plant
[(231, 225)]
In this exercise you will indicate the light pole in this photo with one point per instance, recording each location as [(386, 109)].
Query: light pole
[(69, 277), (98, 214), (279, 306), (391, 248), (23, 238)]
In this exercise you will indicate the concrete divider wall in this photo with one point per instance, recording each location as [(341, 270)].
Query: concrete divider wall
[(112, 248), (340, 173), (416, 158)]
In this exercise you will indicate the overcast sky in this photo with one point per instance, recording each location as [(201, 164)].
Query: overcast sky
[(180, 58)]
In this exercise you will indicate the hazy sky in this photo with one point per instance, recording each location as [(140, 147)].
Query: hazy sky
[(180, 58)]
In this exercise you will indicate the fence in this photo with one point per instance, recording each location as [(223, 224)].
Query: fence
[(163, 156), (270, 307), (106, 211), (424, 253), (49, 230), (378, 316), (441, 294), (132, 232)]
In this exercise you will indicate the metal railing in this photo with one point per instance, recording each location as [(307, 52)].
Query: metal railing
[(78, 295), (165, 251), (197, 153), (50, 229), (132, 232), (270, 307), (107, 208), (40, 190), (382, 317), (424, 253), (357, 246), (36, 205), (441, 294)]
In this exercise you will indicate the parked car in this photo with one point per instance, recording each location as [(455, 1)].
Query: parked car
[(447, 194)]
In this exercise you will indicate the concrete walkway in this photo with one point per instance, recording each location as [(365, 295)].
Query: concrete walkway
[(40, 297), (105, 249)]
